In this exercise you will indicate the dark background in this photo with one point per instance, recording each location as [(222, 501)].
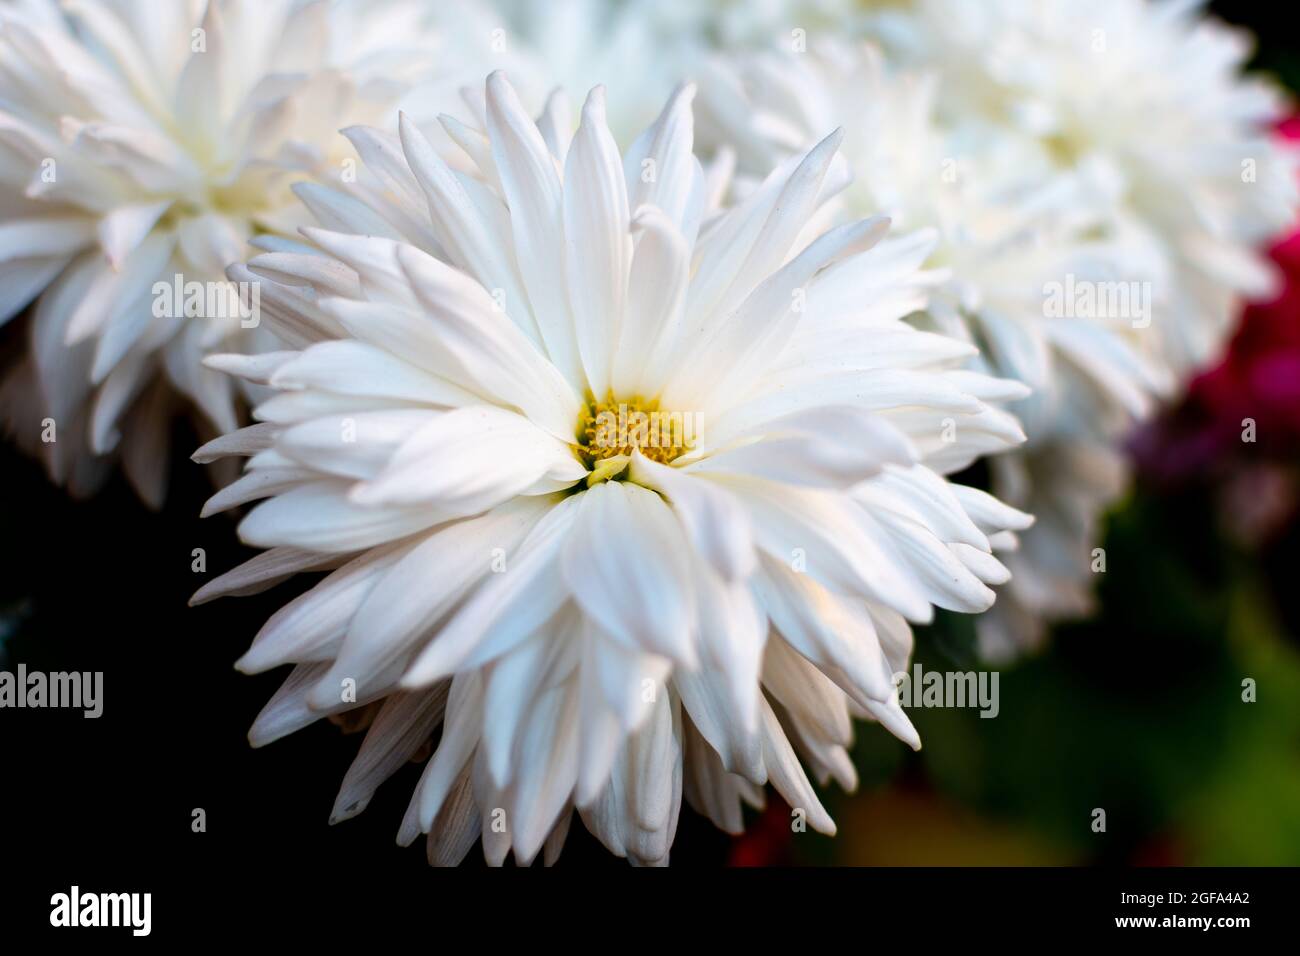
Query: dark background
[(1137, 711)]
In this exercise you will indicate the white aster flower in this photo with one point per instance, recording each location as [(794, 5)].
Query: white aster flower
[(602, 620), (1010, 223), (140, 141)]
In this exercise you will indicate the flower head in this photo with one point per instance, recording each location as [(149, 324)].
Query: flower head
[(636, 497), (1154, 91), (142, 142)]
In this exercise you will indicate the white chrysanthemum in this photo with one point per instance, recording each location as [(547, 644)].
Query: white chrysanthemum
[(1152, 93), (1155, 90), (640, 49), (144, 140), (601, 619), (757, 24), (1010, 222)]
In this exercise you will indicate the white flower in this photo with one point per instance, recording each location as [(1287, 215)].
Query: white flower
[(640, 49), (1152, 94), (1011, 224), (144, 140), (1007, 219), (601, 619), (1154, 90)]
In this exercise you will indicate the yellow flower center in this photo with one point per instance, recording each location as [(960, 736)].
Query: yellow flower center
[(612, 427)]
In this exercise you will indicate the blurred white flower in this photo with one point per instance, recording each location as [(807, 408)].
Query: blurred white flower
[(1011, 224), (1154, 90), (640, 49), (141, 141), (605, 612), (1150, 97)]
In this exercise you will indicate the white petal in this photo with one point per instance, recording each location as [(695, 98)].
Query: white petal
[(427, 582), (310, 627), (470, 459), (320, 517), (497, 360), (353, 445), (534, 194), (263, 571), (355, 368), (598, 248), (716, 522), (403, 725), (660, 167), (341, 213), (788, 777), (460, 736), (834, 446), (625, 563), (507, 609), (476, 241), (660, 271)]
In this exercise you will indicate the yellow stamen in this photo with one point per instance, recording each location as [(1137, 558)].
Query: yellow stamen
[(612, 428)]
